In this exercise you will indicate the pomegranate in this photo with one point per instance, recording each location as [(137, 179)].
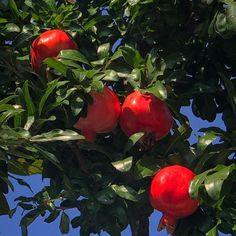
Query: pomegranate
[(169, 193), (49, 44), (102, 114), (145, 113)]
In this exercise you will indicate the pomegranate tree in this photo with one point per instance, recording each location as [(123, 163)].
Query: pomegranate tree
[(102, 114), (49, 44), (169, 193), (145, 113)]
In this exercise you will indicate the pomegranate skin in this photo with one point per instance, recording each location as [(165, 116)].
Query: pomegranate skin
[(102, 114), (169, 192), (49, 44), (145, 113)]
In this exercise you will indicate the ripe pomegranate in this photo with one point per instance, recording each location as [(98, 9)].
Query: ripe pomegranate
[(169, 193), (145, 113), (49, 44), (102, 114)]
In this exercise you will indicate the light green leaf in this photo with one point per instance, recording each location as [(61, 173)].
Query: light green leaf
[(123, 165), (103, 50), (206, 140), (57, 135), (158, 90), (133, 2), (126, 192), (73, 55)]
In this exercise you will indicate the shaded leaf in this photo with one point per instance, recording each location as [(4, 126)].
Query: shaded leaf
[(64, 223)]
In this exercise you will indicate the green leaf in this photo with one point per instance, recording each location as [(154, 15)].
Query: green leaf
[(24, 183), (49, 156), (7, 99), (29, 122), (30, 217), (77, 106), (196, 183), (213, 232), (28, 100), (103, 50), (5, 116), (230, 88), (12, 212), (147, 166), (131, 56), (64, 223), (214, 182), (50, 88), (73, 55), (133, 139), (126, 192), (123, 165), (75, 223), (53, 216), (4, 207), (206, 140), (11, 27), (57, 135), (94, 21), (158, 90), (133, 2), (57, 65), (8, 182), (106, 196), (3, 20), (12, 5), (110, 75), (22, 39)]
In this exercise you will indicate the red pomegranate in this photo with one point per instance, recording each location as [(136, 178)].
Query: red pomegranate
[(145, 113), (169, 193), (102, 114), (49, 44)]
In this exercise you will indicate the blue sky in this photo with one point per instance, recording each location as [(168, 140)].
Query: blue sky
[(10, 227)]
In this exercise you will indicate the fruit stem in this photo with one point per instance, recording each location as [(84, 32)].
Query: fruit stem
[(169, 222)]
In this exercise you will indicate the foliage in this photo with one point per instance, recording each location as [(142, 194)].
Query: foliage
[(181, 51)]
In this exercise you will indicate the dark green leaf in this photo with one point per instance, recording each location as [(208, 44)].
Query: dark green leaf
[(75, 223), (131, 56), (24, 183), (64, 223), (30, 217), (4, 207), (53, 216), (133, 139), (106, 196)]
